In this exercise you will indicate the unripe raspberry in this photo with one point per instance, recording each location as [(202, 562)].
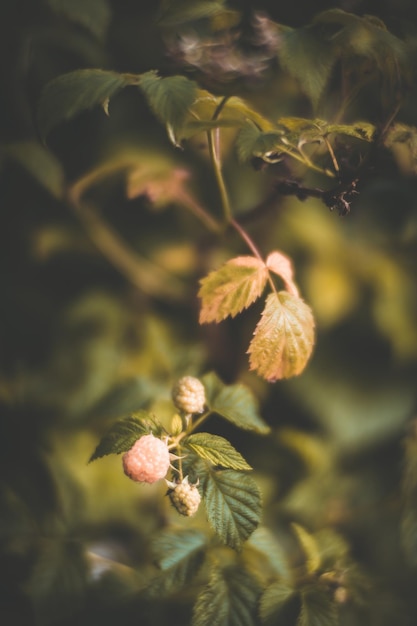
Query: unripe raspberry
[(147, 460), (189, 395), (185, 498)]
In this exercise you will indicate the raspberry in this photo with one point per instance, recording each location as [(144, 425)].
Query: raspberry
[(189, 395), (147, 460), (185, 498)]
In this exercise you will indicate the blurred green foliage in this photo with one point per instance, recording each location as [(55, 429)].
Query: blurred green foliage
[(88, 335)]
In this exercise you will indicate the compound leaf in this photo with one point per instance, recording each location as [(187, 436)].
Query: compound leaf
[(123, 434), (235, 403), (69, 94), (233, 505), (217, 450), (232, 288), (283, 339), (229, 599)]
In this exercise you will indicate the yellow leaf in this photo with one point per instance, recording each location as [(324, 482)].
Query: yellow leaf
[(232, 288), (283, 339), (310, 548)]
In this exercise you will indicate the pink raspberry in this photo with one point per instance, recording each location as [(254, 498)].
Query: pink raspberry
[(147, 460)]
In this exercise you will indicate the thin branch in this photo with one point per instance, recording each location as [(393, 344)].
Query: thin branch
[(141, 272)]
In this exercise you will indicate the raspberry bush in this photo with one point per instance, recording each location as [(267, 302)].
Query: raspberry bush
[(208, 283)]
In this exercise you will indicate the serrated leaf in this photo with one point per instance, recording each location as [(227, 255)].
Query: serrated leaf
[(359, 130), (252, 142), (123, 434), (310, 548), (217, 450), (233, 505), (179, 554), (283, 339), (229, 599), (39, 163), (236, 403), (317, 608), (170, 99), (67, 95), (94, 15), (232, 288), (281, 265), (273, 602)]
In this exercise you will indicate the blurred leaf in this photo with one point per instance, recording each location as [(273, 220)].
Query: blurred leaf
[(229, 599), (233, 505), (94, 15), (263, 541), (273, 601), (176, 12), (317, 608), (236, 403), (58, 582), (217, 450), (179, 554), (310, 548), (309, 57), (170, 99), (232, 288), (39, 163), (283, 339), (123, 434), (125, 397), (66, 96), (280, 264), (368, 37), (409, 495)]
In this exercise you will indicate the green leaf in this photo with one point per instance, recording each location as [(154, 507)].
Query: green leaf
[(94, 15), (66, 96), (283, 339), (317, 608), (232, 288), (217, 450), (233, 505), (310, 548), (274, 600), (176, 12), (170, 99), (58, 583), (179, 554), (123, 434), (229, 599), (308, 57), (39, 163), (359, 130), (235, 403), (252, 142), (264, 542)]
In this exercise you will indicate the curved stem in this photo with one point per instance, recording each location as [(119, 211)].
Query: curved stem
[(215, 160)]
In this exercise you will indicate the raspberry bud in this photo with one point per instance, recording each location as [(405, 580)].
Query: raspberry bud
[(147, 460), (185, 497), (189, 395)]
